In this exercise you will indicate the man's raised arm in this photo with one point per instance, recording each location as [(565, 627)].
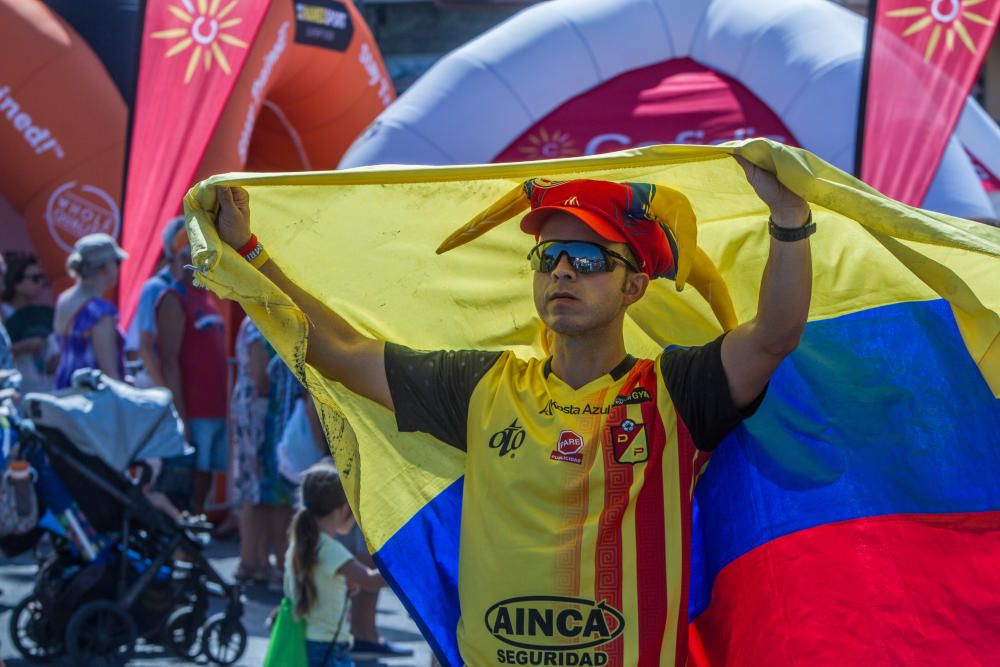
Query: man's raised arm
[(752, 351), (335, 348)]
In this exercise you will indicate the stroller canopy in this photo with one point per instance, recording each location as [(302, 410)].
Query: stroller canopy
[(111, 420)]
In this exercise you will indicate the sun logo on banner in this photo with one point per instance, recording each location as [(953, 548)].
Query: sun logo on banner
[(205, 27), (544, 145), (947, 17)]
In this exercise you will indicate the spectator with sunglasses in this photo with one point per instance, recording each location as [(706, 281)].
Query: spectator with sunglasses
[(28, 313), (591, 453)]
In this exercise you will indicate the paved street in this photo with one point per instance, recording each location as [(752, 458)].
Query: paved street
[(16, 580)]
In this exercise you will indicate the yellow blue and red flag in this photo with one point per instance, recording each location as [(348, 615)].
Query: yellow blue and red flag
[(855, 519)]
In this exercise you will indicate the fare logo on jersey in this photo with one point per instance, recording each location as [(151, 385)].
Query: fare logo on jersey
[(627, 446), (506, 440), (638, 395), (556, 624), (569, 447)]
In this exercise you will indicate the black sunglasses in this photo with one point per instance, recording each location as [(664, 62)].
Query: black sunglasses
[(583, 256)]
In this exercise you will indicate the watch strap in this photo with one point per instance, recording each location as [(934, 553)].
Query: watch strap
[(789, 235)]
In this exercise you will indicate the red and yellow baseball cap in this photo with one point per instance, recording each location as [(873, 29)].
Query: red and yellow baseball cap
[(618, 212), (657, 223)]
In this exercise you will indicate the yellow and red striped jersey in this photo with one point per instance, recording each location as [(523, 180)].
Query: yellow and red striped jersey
[(576, 516)]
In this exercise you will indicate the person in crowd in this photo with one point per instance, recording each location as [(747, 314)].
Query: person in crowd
[(320, 572), (301, 446), (144, 321), (302, 443), (276, 493), (247, 411), (146, 475), (6, 356), (368, 643), (28, 314), (597, 246), (86, 324), (191, 346)]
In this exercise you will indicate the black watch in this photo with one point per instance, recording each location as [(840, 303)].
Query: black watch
[(787, 235)]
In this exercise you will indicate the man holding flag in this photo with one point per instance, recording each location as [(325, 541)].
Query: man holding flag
[(580, 467)]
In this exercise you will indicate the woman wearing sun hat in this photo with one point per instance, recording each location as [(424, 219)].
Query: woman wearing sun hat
[(86, 324)]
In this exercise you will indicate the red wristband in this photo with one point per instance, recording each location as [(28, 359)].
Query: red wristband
[(250, 245)]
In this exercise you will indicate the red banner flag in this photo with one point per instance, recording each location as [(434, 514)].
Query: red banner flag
[(925, 55), (192, 52)]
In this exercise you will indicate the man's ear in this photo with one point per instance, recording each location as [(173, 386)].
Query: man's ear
[(635, 286)]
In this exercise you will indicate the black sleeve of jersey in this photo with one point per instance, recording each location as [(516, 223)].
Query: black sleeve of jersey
[(431, 390), (699, 389)]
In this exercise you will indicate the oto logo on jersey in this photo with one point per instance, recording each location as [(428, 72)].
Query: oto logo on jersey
[(508, 439)]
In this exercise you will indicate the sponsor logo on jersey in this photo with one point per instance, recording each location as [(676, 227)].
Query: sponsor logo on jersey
[(627, 446), (508, 439), (551, 407), (557, 624), (638, 395), (569, 447)]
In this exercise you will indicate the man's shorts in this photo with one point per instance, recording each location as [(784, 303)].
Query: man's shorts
[(211, 443)]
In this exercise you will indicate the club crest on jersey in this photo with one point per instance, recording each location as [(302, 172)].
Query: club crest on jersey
[(626, 443), (569, 447)]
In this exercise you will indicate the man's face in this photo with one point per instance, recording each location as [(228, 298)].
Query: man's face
[(33, 283), (572, 303)]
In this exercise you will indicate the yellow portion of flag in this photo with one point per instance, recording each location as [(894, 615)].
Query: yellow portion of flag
[(363, 241)]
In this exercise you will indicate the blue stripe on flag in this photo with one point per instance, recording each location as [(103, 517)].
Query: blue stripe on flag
[(877, 412), (420, 562)]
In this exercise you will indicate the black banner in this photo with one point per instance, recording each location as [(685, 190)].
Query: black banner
[(323, 23)]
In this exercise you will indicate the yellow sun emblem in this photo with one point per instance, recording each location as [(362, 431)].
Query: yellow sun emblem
[(946, 17), (206, 27), (545, 145)]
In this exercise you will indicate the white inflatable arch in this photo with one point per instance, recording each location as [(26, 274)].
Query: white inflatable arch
[(802, 59)]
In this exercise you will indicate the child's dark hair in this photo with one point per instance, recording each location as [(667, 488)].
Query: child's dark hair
[(321, 493)]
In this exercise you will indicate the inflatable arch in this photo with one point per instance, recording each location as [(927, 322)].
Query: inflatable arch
[(573, 77), (221, 86)]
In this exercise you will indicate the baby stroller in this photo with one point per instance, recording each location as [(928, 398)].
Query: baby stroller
[(111, 578)]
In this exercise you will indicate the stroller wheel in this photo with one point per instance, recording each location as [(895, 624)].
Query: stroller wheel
[(101, 633), (33, 633), (181, 633), (224, 639)]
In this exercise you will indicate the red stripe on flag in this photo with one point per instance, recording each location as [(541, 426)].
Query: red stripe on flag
[(903, 589)]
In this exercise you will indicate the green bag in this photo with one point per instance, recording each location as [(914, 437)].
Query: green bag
[(287, 647)]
